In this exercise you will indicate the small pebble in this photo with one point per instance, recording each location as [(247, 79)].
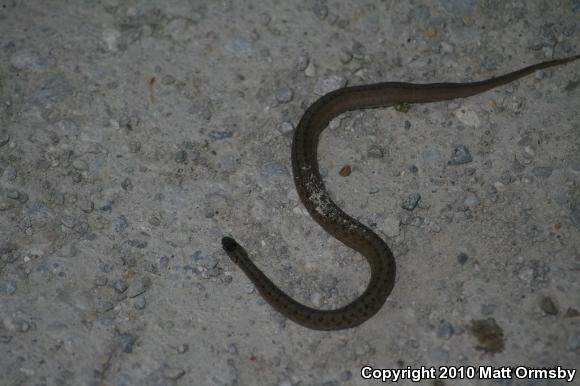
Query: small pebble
[(5, 204), (575, 216), (127, 184), (431, 155), (345, 171), (180, 156), (548, 306), (220, 134), (4, 138), (227, 163), (345, 57), (127, 341), (316, 299), (134, 147), (391, 226), (8, 287), (270, 169), (574, 342), (460, 155), (346, 376), (232, 348), (238, 45), (204, 260), (138, 286), (163, 262), (140, 303), (376, 151), (51, 92), (12, 194), (411, 202), (80, 164), (7, 247), (86, 205), (310, 70), (173, 373), (284, 95), (5, 338), (320, 10), (104, 306), (471, 201), (440, 355), (302, 62), (10, 257), (155, 221), (120, 224), (517, 166), (285, 128), (77, 177), (120, 286), (445, 330)]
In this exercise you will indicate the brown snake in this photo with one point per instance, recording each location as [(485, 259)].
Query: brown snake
[(325, 212)]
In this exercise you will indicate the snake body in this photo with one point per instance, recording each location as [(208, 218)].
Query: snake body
[(325, 212)]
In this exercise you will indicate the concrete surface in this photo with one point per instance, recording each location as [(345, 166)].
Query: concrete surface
[(135, 134)]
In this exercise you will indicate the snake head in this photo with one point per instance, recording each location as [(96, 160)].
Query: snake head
[(229, 244), (232, 248)]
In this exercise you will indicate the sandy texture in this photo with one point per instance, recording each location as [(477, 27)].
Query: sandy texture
[(135, 134)]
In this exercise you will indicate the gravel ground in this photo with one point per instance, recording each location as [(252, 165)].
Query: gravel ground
[(135, 134)]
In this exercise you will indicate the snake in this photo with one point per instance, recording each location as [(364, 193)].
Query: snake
[(317, 201)]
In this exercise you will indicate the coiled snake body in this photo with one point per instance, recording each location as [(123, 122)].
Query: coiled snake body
[(325, 212)]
